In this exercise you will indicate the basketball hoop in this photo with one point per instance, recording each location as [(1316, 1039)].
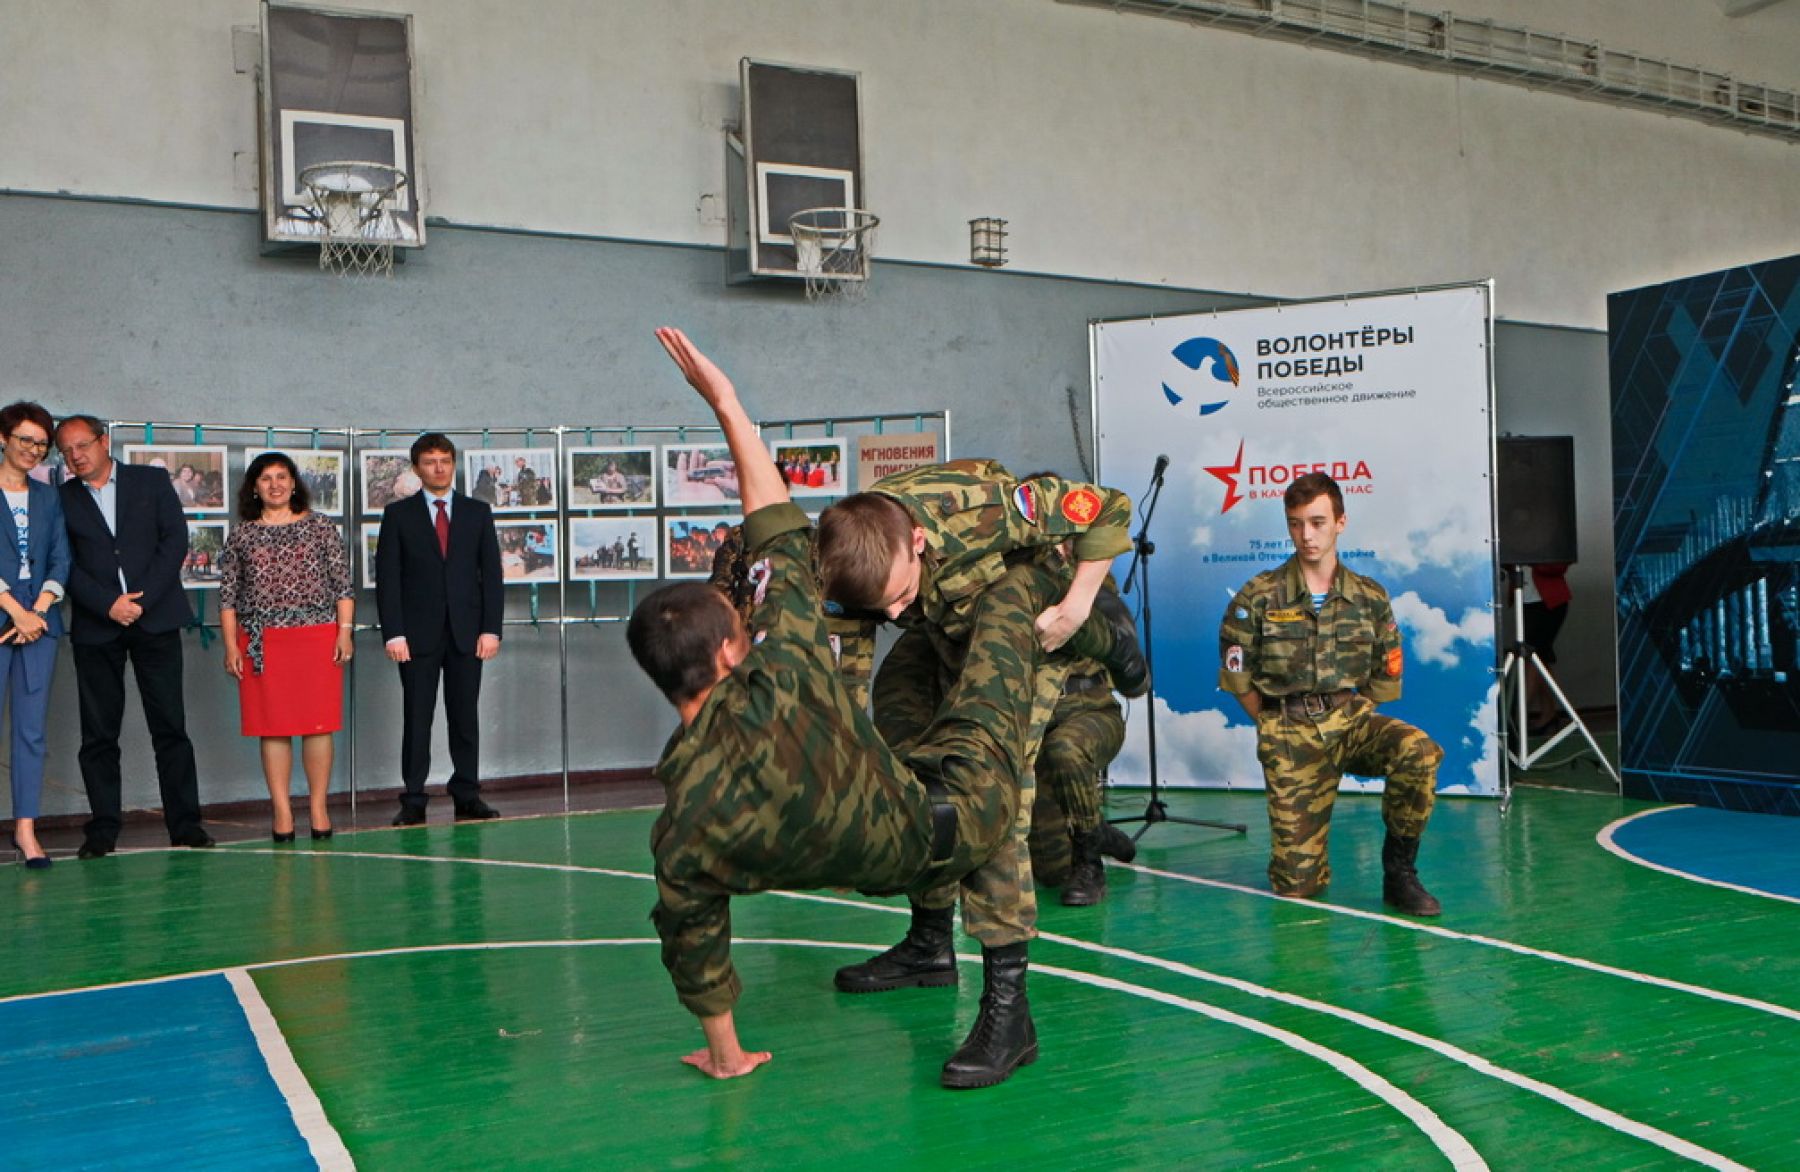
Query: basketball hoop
[(832, 250), (352, 204)]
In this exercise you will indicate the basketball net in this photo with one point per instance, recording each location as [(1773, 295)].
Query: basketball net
[(832, 250), (352, 204)]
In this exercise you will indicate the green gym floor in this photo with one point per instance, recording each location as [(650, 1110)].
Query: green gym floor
[(490, 996)]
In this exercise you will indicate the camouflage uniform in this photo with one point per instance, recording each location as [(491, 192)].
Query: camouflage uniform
[(852, 639), (1320, 676), (1086, 732), (978, 519), (781, 782)]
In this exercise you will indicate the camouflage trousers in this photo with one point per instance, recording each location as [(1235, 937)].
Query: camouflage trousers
[(936, 700), (1086, 733), (1304, 758)]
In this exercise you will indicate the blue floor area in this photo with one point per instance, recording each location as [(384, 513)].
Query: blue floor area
[(140, 1078), (1759, 851)]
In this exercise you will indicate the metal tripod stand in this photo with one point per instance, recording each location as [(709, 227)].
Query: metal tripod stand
[(1157, 810), (1515, 716)]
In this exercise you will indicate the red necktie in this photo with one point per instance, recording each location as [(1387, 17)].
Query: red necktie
[(443, 529)]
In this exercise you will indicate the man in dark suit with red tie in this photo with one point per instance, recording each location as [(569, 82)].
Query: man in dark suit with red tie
[(128, 538), (438, 589)]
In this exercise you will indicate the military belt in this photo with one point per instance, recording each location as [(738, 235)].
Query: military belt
[(1075, 685), (1314, 705), (943, 822)]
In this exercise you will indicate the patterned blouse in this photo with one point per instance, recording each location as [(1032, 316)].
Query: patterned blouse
[(289, 575)]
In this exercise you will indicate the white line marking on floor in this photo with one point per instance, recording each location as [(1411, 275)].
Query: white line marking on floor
[(329, 1151), (1606, 840), (1486, 941), (322, 1139), (1483, 1066)]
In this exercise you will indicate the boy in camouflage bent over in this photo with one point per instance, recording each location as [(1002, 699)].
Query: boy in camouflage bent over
[(777, 780), (1309, 649)]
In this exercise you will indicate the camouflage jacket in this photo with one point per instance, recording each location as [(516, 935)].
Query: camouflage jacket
[(975, 513), (779, 782), (852, 639), (1272, 642)]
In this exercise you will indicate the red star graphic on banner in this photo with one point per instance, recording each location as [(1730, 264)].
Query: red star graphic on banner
[(1229, 475)]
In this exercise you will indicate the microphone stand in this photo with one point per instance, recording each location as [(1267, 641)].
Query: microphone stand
[(1157, 810)]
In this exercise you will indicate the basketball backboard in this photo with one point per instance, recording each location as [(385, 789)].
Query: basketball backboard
[(335, 86), (798, 146)]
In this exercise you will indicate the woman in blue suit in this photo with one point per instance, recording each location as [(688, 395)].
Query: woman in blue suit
[(33, 568)]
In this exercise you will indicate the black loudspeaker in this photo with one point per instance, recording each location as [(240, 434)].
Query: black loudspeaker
[(1536, 482)]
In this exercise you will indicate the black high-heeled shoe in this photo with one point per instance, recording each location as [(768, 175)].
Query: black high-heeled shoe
[(321, 835), (280, 837), (32, 862)]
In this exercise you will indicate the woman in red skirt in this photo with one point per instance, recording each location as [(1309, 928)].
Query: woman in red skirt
[(286, 610)]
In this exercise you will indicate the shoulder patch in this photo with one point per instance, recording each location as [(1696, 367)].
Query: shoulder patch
[(759, 576), (1081, 506), (1393, 662), (1240, 613), (1025, 501), (1234, 658)]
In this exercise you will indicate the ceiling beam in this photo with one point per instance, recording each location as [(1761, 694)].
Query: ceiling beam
[(1746, 7)]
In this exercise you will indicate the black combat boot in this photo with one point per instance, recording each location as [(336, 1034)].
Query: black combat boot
[(1003, 1038), (1400, 886), (922, 959), (1125, 664), (1115, 843), (1086, 884)]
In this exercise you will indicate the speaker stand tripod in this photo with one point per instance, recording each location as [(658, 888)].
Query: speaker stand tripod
[(1515, 714), (1157, 810)]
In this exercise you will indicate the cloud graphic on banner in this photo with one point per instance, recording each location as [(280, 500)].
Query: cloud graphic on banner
[(1432, 637), (1194, 747), (1484, 737), (1202, 537), (1449, 540)]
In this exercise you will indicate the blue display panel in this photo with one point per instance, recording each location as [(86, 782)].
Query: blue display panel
[(1706, 515)]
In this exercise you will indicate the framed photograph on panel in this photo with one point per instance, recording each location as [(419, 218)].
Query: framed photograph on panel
[(513, 480), (196, 470), (206, 546), (321, 470), (371, 530), (527, 551), (387, 476), (699, 474), (812, 467), (612, 478), (690, 542), (617, 549)]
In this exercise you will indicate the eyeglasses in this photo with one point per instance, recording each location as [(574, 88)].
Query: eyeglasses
[(35, 445), (77, 449)]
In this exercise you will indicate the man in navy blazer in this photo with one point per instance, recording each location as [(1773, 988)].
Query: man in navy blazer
[(128, 537), (441, 600)]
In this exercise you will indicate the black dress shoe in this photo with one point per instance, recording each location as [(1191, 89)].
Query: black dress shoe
[(278, 836), (196, 838), (321, 835), (94, 850), (410, 816), (475, 810)]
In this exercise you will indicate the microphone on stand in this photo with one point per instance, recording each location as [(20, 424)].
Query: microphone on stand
[(1162, 465)]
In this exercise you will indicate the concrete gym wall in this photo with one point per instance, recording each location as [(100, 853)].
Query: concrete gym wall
[(1120, 146), (138, 312)]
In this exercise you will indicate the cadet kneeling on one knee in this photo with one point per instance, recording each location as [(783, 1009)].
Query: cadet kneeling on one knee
[(1309, 649)]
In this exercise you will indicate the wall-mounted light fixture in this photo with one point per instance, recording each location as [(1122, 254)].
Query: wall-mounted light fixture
[(987, 242)]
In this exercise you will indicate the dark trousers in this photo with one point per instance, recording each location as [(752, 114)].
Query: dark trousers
[(418, 690), (100, 681)]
